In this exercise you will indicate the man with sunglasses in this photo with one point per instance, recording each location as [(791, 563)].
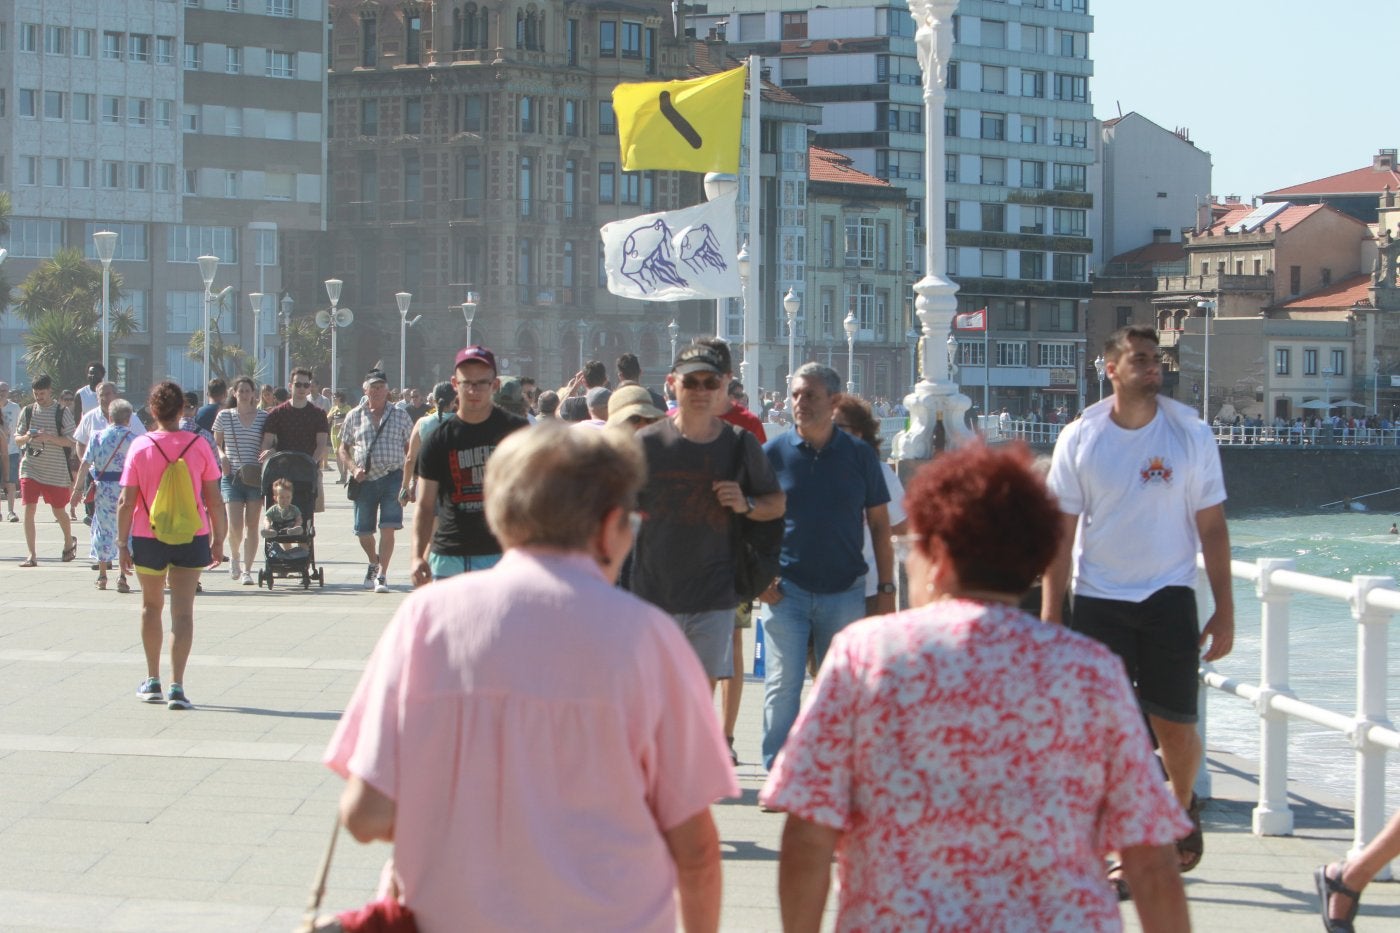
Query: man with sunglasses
[(296, 424), (701, 472), (449, 522)]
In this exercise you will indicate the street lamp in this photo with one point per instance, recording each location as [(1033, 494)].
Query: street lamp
[(1327, 375), (287, 305), (1208, 306), (255, 300), (1099, 364), (208, 267), (333, 287), (1375, 387), (790, 304), (744, 268), (674, 330), (105, 242), (851, 326), (582, 343), (469, 314), (403, 298), (1079, 379)]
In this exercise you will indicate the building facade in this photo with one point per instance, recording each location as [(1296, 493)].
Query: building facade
[(1156, 183), (187, 128)]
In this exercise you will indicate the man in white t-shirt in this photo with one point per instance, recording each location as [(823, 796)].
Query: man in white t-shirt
[(88, 394), (9, 419), (1139, 482)]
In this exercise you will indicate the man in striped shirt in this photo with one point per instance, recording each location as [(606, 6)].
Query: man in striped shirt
[(45, 434)]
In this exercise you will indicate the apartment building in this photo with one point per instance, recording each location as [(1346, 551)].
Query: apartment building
[(188, 128)]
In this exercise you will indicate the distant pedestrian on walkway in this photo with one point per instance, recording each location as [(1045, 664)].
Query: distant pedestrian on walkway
[(1340, 884), (968, 765), (45, 434), (374, 441), (538, 744), (104, 458), (156, 562), (238, 433)]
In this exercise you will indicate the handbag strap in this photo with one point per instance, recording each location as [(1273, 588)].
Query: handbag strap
[(383, 422), (318, 890), (116, 450)]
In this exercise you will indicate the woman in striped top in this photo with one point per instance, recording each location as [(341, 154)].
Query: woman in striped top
[(238, 433)]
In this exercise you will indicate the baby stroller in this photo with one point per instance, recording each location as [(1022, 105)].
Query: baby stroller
[(292, 555)]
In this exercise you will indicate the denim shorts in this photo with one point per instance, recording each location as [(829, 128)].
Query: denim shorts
[(450, 565), (379, 498), (235, 491), (14, 466), (151, 555)]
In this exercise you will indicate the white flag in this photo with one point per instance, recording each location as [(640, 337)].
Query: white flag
[(674, 255)]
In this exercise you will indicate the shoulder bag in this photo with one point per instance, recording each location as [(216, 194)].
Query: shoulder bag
[(757, 544), (352, 485), (382, 916), (249, 474)]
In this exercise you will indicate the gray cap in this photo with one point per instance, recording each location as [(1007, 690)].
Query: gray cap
[(598, 397)]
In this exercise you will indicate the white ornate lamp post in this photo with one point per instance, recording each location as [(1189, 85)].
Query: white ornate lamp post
[(208, 267), (936, 394), (333, 287), (469, 314), (287, 304), (1099, 364), (913, 337), (105, 242), (744, 268), (255, 300), (791, 303), (851, 327), (674, 330), (403, 299)]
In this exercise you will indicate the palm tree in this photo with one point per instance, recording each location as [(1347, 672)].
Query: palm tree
[(225, 360), (311, 346), (61, 301)]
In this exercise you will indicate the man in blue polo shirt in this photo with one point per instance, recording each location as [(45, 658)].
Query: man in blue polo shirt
[(833, 485)]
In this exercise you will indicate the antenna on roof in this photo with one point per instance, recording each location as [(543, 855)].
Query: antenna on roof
[(1119, 103)]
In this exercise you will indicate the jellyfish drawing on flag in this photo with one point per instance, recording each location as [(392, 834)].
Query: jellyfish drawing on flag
[(700, 250), (647, 258)]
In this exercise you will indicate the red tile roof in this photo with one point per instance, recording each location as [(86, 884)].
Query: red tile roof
[(1346, 293), (1153, 253), (1368, 180), (826, 165), (1286, 219)]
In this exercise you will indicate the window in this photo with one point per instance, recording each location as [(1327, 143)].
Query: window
[(1011, 353), (524, 270), (1032, 38), (994, 217), (860, 242), (1056, 354), (81, 174), (231, 184), (1281, 361), (413, 39), (571, 42), (279, 124), (994, 263), (993, 34), (1055, 315), (413, 186), (473, 185), (54, 172), (1339, 362), (1032, 266), (950, 215), (972, 353), (649, 50), (1032, 174), (1310, 362), (1069, 177), (82, 43), (1032, 220), (233, 60), (950, 167), (191, 185), (631, 40), (993, 125), (630, 188), (570, 114), (794, 72), (570, 189), (369, 41), (111, 174), (34, 239), (165, 50), (1032, 129), (527, 115), (29, 37), (413, 115), (1073, 44), (369, 118), (474, 114), (138, 47), (193, 61), (607, 39), (190, 118), (138, 111), (1295, 280), (165, 176), (165, 113), (53, 105), (1071, 87), (233, 6), (1069, 267), (82, 108), (186, 243), (111, 110), (1032, 84), (607, 182), (281, 64), (607, 119), (56, 40), (1073, 133), (953, 79), (882, 245), (993, 79), (993, 171), (112, 43), (1069, 222), (795, 25), (233, 121), (950, 122), (287, 8), (138, 176), (184, 312), (279, 186), (28, 102)]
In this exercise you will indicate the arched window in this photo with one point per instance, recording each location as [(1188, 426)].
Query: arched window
[(520, 29)]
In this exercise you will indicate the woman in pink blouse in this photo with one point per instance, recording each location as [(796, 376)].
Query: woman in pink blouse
[(969, 765), (539, 745)]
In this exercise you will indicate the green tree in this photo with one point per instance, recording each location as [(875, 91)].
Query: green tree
[(6, 287), (226, 360), (61, 301), (311, 347)]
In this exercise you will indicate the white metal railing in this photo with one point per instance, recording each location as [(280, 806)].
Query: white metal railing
[(1372, 602), (1302, 436)]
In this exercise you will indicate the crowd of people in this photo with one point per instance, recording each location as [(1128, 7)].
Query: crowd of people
[(583, 565)]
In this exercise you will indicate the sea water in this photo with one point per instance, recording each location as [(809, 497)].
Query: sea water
[(1323, 643)]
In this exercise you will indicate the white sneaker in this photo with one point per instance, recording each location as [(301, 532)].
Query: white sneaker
[(370, 573), (247, 578), (381, 587), (233, 570)]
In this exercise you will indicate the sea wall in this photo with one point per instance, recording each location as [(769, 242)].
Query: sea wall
[(1290, 479)]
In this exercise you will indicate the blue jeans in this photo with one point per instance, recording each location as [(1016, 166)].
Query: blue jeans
[(799, 616), (379, 497)]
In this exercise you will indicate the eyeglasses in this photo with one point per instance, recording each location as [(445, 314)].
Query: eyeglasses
[(904, 545), (301, 385), (476, 385), (708, 383)]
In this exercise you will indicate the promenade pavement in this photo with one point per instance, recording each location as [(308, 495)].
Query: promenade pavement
[(117, 815)]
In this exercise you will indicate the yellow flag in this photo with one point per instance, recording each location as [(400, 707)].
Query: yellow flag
[(690, 126)]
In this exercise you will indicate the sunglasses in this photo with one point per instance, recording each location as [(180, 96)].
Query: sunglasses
[(301, 385), (708, 383)]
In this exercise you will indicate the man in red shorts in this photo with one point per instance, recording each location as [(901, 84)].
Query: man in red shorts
[(44, 435)]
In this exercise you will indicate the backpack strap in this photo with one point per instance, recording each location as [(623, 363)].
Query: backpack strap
[(154, 443)]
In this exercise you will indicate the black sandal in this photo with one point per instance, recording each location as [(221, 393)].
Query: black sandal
[(1326, 887), (1119, 882), (1193, 844), (71, 551)]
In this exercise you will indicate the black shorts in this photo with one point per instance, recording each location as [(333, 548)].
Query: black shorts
[(1159, 642), (153, 556)]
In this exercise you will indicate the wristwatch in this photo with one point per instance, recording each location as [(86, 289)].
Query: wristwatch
[(749, 500), (884, 588)]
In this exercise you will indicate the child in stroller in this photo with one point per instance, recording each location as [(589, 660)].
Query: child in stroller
[(282, 525), (289, 526)]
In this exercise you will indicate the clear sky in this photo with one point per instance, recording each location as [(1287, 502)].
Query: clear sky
[(1277, 91)]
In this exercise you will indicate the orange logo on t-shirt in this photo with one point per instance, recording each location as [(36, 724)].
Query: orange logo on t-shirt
[(1156, 471)]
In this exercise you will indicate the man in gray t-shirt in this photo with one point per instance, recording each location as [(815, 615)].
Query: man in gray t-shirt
[(684, 558), (45, 432)]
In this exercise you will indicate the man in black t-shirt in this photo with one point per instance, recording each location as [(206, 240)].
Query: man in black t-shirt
[(450, 535)]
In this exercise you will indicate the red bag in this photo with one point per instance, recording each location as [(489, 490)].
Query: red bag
[(385, 915)]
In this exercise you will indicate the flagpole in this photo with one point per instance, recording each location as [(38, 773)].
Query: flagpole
[(754, 304), (986, 363)]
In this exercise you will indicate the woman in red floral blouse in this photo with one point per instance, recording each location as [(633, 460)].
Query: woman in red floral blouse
[(969, 765)]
